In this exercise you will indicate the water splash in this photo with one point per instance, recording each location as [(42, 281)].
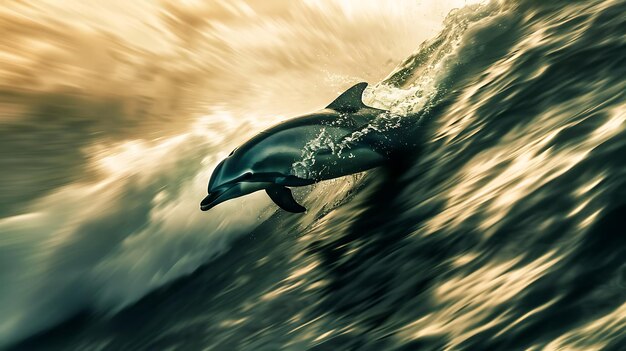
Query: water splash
[(325, 142)]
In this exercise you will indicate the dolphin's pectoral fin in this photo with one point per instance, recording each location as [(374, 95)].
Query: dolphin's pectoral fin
[(350, 100), (284, 199)]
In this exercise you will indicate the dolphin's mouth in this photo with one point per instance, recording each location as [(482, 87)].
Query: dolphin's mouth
[(212, 199)]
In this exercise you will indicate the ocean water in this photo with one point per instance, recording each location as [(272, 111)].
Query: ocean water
[(503, 232)]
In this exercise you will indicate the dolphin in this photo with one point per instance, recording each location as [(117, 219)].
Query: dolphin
[(338, 140)]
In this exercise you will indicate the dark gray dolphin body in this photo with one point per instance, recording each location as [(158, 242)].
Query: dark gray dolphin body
[(336, 141)]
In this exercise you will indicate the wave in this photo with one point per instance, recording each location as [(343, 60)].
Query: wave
[(101, 204), (503, 233)]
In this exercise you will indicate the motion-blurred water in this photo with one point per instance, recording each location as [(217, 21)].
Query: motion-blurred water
[(503, 234)]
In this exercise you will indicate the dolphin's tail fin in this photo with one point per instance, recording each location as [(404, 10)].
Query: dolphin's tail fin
[(284, 199)]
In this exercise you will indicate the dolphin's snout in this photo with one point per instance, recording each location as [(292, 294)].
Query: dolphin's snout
[(210, 200), (228, 191)]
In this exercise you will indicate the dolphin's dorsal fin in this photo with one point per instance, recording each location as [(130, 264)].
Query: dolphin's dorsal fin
[(284, 199), (350, 100)]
